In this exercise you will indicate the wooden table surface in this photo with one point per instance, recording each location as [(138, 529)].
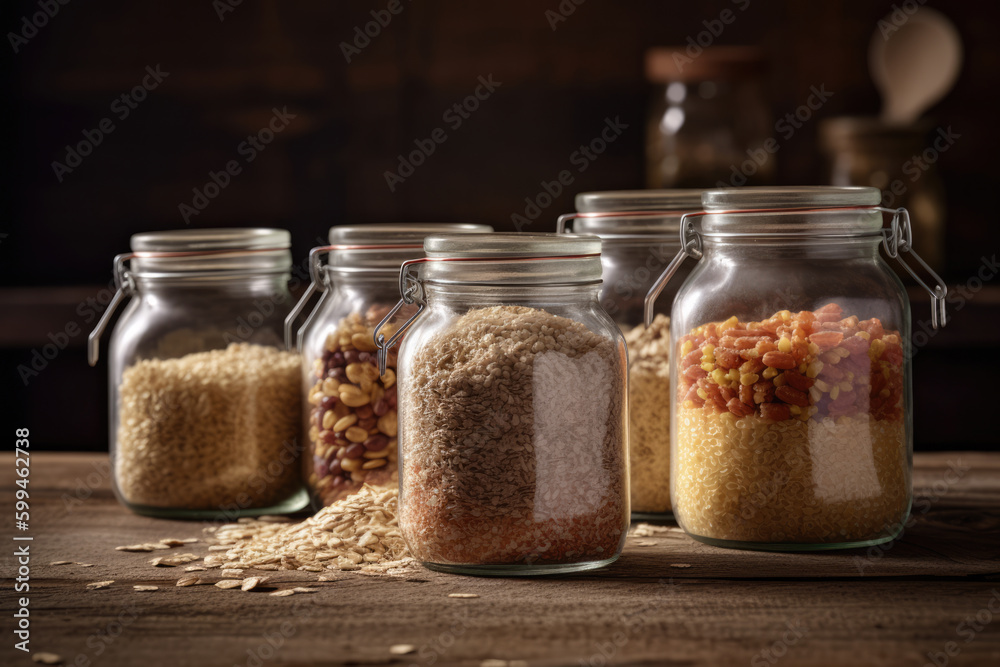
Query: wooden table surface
[(925, 599)]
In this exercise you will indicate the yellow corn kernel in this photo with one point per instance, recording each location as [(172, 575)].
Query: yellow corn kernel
[(752, 353), (876, 349), (813, 348), (702, 394), (891, 338), (845, 386), (795, 410), (834, 392), (804, 417), (822, 386), (707, 349), (785, 345), (814, 368), (864, 334), (733, 375), (785, 315), (842, 352), (748, 379), (770, 373), (719, 376), (731, 323), (779, 380), (803, 367), (687, 347), (689, 404), (707, 366)]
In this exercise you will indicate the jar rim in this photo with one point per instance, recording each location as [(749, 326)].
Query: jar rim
[(210, 252), (509, 258), (657, 213), (382, 247)]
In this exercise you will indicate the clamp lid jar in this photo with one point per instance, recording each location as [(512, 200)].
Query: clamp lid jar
[(205, 403), (639, 234), (791, 409), (512, 386), (349, 408)]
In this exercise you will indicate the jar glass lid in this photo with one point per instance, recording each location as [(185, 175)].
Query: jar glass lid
[(657, 213), (383, 247), (791, 210), (509, 258), (185, 251)]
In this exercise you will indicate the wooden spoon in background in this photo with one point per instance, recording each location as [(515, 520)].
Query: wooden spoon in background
[(915, 65)]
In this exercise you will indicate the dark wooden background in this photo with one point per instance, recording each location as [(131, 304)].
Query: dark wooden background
[(352, 120)]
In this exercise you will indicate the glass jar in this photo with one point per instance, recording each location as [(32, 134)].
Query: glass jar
[(639, 237), (349, 408), (791, 409), (205, 402), (866, 151), (709, 122), (512, 400)]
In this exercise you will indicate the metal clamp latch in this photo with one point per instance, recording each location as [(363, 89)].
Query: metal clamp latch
[(411, 291), (899, 237), (691, 246), (125, 288)]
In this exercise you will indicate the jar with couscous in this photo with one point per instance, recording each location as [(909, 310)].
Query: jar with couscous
[(792, 426)]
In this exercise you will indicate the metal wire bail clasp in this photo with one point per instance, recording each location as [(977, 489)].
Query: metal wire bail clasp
[(411, 291), (125, 288), (899, 238), (690, 247), (315, 283)]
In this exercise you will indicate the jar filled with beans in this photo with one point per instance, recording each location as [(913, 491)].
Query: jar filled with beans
[(349, 408)]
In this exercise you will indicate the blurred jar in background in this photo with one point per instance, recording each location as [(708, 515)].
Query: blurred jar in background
[(708, 116), (899, 161)]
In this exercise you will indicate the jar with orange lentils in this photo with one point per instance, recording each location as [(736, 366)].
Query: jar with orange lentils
[(791, 409)]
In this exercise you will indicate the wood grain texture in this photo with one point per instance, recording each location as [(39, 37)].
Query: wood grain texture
[(886, 606)]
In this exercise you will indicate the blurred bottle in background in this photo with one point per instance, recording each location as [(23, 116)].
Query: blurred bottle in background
[(708, 114), (901, 162)]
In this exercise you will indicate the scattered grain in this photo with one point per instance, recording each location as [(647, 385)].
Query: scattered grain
[(47, 658), (402, 649), (61, 562), (97, 585), (285, 592), (462, 595), (228, 583), (146, 589), (188, 581)]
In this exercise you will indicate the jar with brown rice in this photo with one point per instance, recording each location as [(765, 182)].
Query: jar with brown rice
[(512, 386), (205, 402)]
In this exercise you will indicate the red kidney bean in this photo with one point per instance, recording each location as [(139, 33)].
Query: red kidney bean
[(364, 412), (367, 424), (381, 407), (376, 442), (354, 451), (328, 437), (328, 402)]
